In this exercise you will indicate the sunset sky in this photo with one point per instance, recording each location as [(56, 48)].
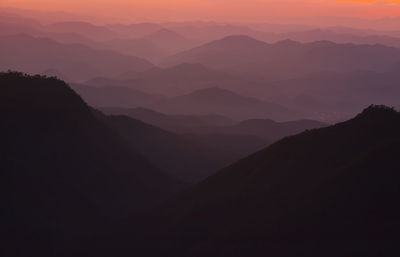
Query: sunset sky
[(228, 10)]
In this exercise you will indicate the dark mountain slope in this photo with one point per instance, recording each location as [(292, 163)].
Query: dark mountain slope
[(64, 172), (325, 192)]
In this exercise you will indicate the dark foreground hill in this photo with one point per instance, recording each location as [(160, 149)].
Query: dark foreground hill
[(63, 172), (325, 192)]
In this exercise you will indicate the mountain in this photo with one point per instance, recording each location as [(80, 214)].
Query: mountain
[(181, 79), (340, 38), (176, 123), (89, 30), (142, 48), (170, 41), (64, 171), (203, 32), (336, 94), (325, 192), (139, 47), (222, 53), (111, 96), (224, 102), (218, 125), (190, 158), (135, 31), (8, 28), (77, 62), (268, 129), (287, 58), (54, 73)]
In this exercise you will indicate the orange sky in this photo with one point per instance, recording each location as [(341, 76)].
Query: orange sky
[(219, 10)]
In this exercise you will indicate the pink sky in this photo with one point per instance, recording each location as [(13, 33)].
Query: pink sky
[(217, 10)]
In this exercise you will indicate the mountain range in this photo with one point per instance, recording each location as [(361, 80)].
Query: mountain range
[(218, 125), (77, 62), (194, 138), (286, 59), (106, 96), (224, 102)]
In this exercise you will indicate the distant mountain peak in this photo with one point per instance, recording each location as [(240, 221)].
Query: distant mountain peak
[(244, 39), (287, 42), (215, 91), (164, 34)]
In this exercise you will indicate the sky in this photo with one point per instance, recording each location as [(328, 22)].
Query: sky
[(216, 10)]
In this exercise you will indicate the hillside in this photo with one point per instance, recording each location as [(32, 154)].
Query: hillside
[(325, 192), (64, 172)]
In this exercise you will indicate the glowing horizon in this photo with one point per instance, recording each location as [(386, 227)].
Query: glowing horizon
[(216, 10)]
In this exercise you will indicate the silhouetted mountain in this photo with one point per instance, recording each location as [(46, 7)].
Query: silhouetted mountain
[(84, 28), (77, 62), (325, 192), (224, 102), (190, 158), (287, 58), (64, 172), (110, 96), (54, 73)]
